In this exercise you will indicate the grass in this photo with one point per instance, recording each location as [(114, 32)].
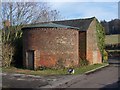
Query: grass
[(112, 39), (88, 68), (113, 50), (80, 70)]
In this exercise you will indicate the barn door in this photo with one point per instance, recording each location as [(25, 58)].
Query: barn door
[(31, 59)]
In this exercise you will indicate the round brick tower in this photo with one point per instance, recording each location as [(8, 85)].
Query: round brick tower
[(50, 45)]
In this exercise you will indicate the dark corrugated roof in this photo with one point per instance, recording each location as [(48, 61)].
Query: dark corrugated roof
[(82, 24), (50, 25)]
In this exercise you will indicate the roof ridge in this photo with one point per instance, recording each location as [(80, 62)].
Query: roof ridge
[(66, 20), (81, 24), (75, 19)]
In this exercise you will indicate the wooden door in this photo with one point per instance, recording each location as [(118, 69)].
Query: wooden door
[(31, 59)]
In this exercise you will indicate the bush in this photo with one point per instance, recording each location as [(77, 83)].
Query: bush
[(84, 62), (105, 56), (12, 46), (18, 54), (7, 54)]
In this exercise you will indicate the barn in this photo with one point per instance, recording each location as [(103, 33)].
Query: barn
[(60, 44)]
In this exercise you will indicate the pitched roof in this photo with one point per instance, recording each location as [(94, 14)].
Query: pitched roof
[(79, 24), (50, 25), (82, 24)]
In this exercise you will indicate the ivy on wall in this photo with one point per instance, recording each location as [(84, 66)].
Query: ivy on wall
[(100, 37)]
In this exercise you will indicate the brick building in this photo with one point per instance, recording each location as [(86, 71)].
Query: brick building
[(60, 43)]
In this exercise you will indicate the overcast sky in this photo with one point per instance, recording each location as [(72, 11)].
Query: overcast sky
[(75, 9)]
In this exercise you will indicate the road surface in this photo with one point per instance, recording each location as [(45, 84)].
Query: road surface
[(108, 77), (104, 78)]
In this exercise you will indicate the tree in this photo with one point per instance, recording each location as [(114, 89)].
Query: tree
[(28, 12), (22, 13), (17, 14)]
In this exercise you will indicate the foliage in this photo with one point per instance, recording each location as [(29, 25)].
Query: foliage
[(11, 33), (14, 16), (112, 26), (11, 38), (18, 53), (7, 54), (84, 62), (100, 37), (105, 56)]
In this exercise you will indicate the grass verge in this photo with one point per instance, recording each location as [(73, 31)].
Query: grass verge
[(80, 70), (84, 69)]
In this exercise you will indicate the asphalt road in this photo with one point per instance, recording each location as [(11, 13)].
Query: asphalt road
[(22, 81), (104, 78), (108, 77), (12, 80)]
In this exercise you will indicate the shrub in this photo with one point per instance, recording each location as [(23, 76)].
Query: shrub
[(7, 54), (18, 58), (105, 56), (84, 62), (12, 45)]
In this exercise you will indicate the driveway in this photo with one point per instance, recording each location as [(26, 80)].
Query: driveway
[(108, 77)]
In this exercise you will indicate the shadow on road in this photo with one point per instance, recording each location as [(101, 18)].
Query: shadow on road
[(115, 86), (115, 62)]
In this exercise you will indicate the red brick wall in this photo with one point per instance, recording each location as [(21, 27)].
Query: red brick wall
[(52, 46), (93, 52), (99, 57)]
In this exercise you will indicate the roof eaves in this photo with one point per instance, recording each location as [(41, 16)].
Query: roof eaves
[(50, 25)]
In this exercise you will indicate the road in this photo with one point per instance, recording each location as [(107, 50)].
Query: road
[(22, 81), (105, 78)]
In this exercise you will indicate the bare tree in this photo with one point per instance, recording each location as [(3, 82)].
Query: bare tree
[(22, 13), (27, 12), (14, 16)]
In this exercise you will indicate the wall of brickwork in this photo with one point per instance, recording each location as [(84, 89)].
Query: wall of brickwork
[(93, 52), (53, 47)]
